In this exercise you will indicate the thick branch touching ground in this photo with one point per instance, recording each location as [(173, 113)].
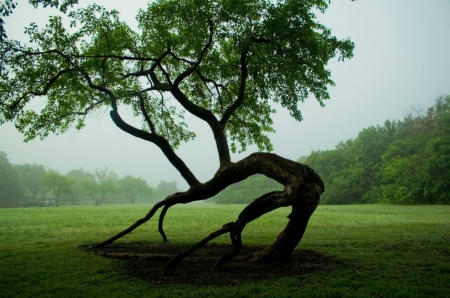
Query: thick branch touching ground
[(257, 208), (303, 188), (128, 230), (225, 229), (161, 222)]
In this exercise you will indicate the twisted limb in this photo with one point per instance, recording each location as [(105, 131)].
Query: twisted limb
[(302, 191)]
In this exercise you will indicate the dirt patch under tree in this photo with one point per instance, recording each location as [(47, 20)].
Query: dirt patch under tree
[(147, 260)]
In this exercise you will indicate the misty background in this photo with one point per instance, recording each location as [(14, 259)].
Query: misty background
[(400, 62)]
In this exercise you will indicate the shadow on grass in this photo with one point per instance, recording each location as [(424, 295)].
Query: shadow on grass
[(146, 261)]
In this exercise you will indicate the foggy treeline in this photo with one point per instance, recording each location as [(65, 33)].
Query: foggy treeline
[(31, 185), (401, 162)]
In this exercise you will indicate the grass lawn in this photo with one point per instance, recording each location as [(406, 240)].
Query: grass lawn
[(388, 251)]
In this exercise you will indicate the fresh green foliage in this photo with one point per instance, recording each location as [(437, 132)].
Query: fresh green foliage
[(246, 191), (402, 162), (31, 176), (7, 7), (165, 188), (26, 183), (11, 187), (107, 180), (220, 54), (79, 190), (57, 184), (387, 251), (132, 187)]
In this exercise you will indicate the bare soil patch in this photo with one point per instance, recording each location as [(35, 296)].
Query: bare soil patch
[(139, 260)]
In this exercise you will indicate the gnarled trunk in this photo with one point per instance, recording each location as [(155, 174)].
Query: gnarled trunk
[(302, 190)]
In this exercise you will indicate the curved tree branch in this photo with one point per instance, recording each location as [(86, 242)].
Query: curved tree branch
[(200, 112), (132, 227), (161, 142), (242, 85), (161, 222), (289, 173), (208, 117), (144, 112), (42, 93), (217, 86), (172, 263), (192, 69)]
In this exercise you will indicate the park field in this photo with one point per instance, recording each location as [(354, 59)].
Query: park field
[(385, 251)]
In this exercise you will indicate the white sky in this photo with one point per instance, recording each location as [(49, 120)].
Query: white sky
[(401, 61)]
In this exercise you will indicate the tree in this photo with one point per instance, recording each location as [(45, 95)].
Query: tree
[(105, 182), (437, 189), (224, 62), (131, 187), (91, 188), (79, 178), (31, 176), (166, 188), (57, 183), (11, 188), (402, 182)]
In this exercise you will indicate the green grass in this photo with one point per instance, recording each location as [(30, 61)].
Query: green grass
[(389, 251)]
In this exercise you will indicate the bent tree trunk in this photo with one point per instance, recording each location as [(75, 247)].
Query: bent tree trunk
[(302, 190)]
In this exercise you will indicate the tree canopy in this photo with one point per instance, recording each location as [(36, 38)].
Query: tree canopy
[(225, 66), (132, 187), (57, 184), (225, 62)]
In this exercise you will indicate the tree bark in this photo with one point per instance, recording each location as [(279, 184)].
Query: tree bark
[(302, 190)]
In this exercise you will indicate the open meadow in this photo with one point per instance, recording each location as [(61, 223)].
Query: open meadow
[(383, 251)]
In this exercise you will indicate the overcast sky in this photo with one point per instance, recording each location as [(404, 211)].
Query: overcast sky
[(401, 60)]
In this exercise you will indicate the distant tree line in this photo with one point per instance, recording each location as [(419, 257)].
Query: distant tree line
[(36, 185), (401, 162)]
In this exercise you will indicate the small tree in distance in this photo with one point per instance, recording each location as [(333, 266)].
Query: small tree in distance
[(57, 184), (103, 182), (132, 187), (224, 62), (79, 178), (166, 188), (31, 176)]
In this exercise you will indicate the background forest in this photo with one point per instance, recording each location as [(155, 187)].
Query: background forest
[(33, 185), (401, 162)]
